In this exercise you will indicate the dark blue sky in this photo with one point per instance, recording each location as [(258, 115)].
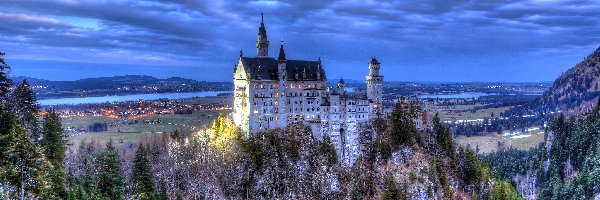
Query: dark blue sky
[(415, 40)]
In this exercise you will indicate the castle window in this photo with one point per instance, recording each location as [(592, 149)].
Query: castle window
[(255, 95), (316, 85), (292, 86), (262, 86), (255, 86), (276, 103), (262, 95), (300, 86), (276, 94)]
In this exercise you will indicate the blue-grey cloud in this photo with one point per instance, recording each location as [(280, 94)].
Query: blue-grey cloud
[(431, 40)]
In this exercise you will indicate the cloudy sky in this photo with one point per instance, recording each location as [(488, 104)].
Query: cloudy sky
[(415, 40)]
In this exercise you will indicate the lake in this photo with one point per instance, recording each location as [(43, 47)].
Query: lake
[(132, 97), (455, 96)]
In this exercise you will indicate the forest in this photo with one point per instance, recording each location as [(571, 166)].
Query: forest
[(565, 166)]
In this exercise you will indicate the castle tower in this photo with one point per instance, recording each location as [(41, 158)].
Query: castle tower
[(374, 87), (282, 75), (281, 61), (341, 86), (262, 43)]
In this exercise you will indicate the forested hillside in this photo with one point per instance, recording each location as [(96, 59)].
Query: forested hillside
[(565, 166), (574, 91), (289, 163)]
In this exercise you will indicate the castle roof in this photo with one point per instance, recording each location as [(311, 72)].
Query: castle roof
[(355, 96), (374, 61), (297, 70)]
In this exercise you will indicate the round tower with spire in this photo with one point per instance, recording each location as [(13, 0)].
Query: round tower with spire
[(262, 43)]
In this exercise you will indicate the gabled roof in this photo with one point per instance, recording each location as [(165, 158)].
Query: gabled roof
[(297, 70)]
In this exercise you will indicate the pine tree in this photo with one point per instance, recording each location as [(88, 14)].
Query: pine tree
[(24, 163), (25, 106), (162, 191), (5, 82), (402, 129), (54, 148), (443, 136), (390, 192), (141, 175), (110, 183), (504, 191)]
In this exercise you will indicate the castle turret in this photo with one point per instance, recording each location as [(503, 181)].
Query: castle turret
[(262, 43), (341, 86), (374, 86), (280, 89)]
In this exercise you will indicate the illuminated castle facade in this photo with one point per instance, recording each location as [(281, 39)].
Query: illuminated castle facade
[(271, 93)]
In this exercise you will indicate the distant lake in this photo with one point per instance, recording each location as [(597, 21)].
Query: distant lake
[(463, 95), (132, 97)]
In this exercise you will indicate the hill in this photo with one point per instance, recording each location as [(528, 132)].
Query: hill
[(119, 85), (575, 88)]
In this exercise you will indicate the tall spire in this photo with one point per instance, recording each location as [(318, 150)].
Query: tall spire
[(262, 43), (281, 52)]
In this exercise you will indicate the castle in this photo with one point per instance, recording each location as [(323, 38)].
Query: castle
[(271, 93)]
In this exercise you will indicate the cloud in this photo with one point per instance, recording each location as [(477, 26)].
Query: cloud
[(463, 35)]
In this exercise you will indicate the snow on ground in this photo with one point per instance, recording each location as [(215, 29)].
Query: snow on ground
[(519, 136)]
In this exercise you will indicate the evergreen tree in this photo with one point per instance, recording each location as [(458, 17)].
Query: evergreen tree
[(390, 192), (110, 180), (25, 166), (54, 148), (141, 175), (402, 129), (504, 191), (5, 82), (443, 135), (162, 191), (25, 105)]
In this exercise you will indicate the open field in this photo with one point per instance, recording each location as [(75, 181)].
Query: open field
[(128, 131), (489, 143), (464, 112), (528, 142)]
